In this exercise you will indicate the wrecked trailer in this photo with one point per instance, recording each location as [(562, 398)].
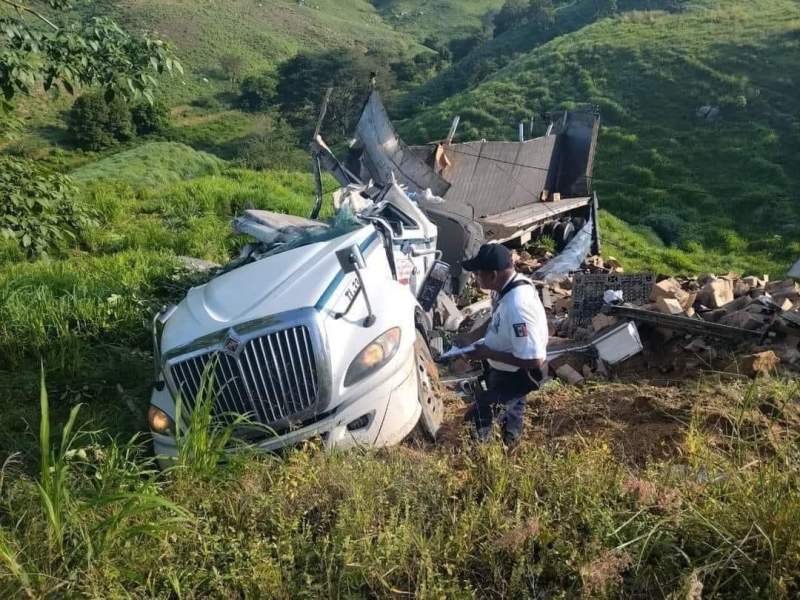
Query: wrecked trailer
[(321, 330), (476, 191)]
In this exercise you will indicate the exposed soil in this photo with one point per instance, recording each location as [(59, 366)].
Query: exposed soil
[(641, 420)]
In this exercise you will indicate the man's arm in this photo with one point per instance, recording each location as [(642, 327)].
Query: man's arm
[(482, 352)]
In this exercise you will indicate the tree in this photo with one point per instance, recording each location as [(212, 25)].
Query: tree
[(541, 14), (258, 92), (303, 79), (39, 48), (231, 65), (512, 14), (273, 146), (95, 122), (150, 117), (460, 47), (605, 8)]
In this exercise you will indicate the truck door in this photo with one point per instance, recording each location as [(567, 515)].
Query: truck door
[(414, 238)]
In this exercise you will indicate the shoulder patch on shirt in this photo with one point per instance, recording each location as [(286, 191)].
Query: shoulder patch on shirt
[(521, 329)]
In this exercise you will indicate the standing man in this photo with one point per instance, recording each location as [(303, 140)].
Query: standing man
[(515, 342)]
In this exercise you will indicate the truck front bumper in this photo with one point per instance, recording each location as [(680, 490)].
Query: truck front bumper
[(383, 416)]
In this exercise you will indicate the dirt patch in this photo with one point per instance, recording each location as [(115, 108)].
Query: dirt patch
[(640, 420)]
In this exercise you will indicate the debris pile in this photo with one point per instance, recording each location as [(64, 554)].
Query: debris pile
[(744, 325), (748, 325)]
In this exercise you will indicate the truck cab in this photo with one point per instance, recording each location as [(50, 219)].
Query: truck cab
[(317, 331)]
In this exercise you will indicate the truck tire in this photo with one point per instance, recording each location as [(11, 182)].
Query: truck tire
[(427, 384), (563, 233)]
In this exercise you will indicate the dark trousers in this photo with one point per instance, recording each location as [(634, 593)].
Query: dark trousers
[(504, 389)]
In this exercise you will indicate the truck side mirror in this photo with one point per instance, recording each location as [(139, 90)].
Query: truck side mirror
[(351, 260)]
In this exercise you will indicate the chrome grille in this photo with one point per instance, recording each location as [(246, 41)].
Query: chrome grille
[(271, 378)]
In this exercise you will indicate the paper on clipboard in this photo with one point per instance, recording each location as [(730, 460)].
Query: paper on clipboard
[(455, 351)]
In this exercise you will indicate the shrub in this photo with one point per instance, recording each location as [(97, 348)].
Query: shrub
[(95, 122), (232, 66), (274, 147), (258, 92), (150, 118), (38, 208), (667, 225), (207, 102), (511, 15)]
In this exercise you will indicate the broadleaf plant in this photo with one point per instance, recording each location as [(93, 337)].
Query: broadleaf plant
[(39, 47)]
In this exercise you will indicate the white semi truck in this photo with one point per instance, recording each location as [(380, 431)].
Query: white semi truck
[(320, 333), (320, 330)]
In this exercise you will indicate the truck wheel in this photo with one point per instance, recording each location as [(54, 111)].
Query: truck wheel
[(578, 223), (427, 385), (563, 233)]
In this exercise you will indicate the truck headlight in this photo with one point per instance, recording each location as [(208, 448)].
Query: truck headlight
[(158, 420), (377, 353)]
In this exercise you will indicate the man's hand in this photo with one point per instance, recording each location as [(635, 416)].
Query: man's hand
[(467, 338), (480, 352)]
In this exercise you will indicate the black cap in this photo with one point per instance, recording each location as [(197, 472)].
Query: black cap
[(490, 257)]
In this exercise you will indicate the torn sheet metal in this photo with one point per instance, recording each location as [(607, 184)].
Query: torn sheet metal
[(495, 177), (794, 272), (570, 258), (382, 153)]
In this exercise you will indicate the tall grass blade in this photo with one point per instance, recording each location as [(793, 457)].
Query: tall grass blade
[(9, 558)]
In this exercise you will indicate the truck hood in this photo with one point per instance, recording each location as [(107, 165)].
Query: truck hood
[(290, 280)]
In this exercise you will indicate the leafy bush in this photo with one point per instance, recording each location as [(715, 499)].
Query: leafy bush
[(95, 122), (273, 147), (258, 92), (668, 226), (231, 66), (207, 102), (38, 207), (150, 117), (511, 15)]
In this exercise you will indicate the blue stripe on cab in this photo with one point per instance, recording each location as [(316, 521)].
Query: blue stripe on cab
[(326, 295)]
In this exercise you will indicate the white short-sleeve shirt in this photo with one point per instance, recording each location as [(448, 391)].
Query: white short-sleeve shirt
[(518, 325)]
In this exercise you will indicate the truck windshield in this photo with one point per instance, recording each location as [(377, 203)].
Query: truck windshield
[(342, 223)]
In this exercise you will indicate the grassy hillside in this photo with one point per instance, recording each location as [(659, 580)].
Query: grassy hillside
[(442, 20), (727, 184), (486, 59), (624, 488), (696, 495), (85, 313), (262, 33), (151, 164)]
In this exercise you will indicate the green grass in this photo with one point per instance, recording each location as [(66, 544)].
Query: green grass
[(729, 186), (640, 249), (82, 510), (262, 33), (87, 313), (151, 164), (449, 522), (441, 20)]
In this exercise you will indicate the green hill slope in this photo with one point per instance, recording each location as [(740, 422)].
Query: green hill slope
[(151, 164), (261, 33), (440, 19), (727, 183)]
